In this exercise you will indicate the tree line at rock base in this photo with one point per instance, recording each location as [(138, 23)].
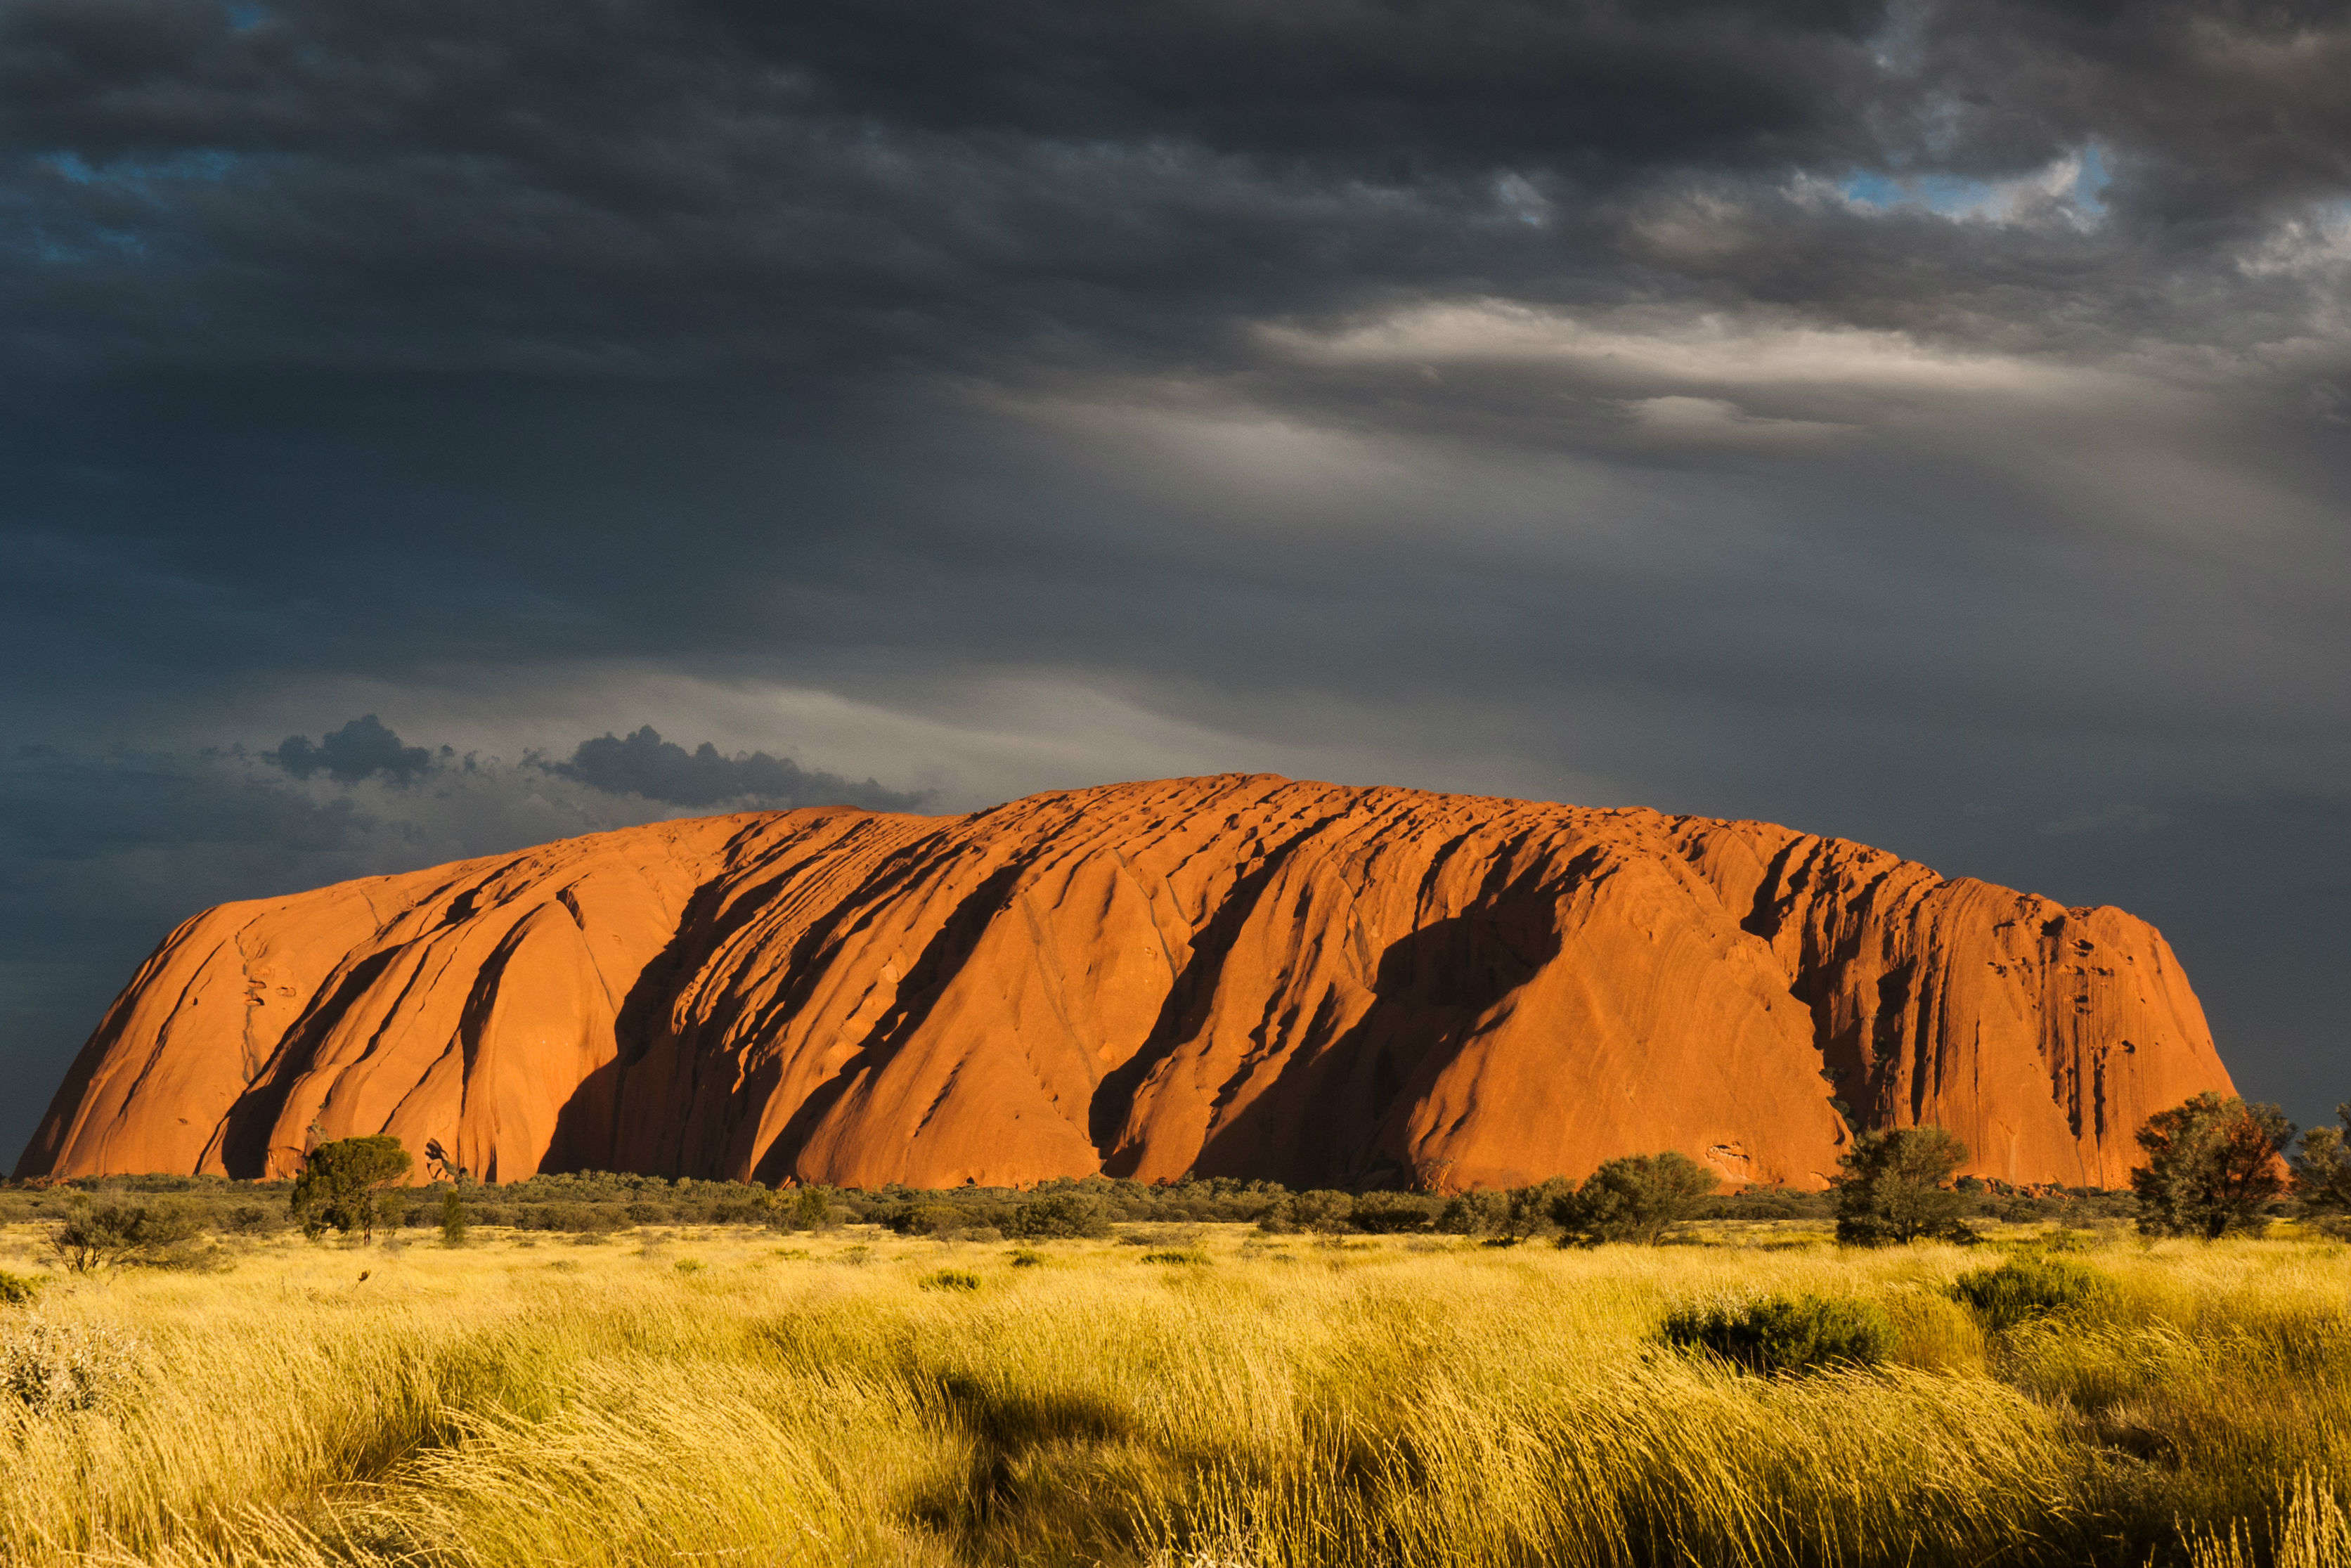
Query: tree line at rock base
[(2214, 1166)]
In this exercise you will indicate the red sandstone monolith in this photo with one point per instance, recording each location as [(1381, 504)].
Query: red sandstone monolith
[(1232, 976)]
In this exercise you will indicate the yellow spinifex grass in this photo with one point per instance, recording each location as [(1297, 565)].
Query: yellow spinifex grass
[(510, 1404)]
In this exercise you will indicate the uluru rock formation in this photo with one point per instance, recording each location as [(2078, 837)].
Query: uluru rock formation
[(1236, 976)]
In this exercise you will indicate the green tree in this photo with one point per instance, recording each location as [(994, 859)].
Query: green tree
[(2213, 1166), (1894, 1186), (2321, 1175), (341, 1186), (1638, 1197)]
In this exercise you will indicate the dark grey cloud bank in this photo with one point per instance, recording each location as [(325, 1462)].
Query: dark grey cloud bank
[(1925, 422)]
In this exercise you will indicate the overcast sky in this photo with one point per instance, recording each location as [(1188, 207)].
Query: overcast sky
[(1928, 424)]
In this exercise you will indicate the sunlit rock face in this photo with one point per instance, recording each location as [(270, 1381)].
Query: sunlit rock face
[(1230, 976)]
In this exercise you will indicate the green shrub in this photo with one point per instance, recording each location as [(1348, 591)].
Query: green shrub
[(342, 1182), (139, 1235), (1393, 1213), (950, 1280), (803, 1209), (18, 1290), (1785, 1334), (1322, 1210), (453, 1219), (1062, 1214), (1479, 1213), (1024, 1257), (1892, 1188), (1638, 1197), (1182, 1255), (2032, 1285), (943, 1218)]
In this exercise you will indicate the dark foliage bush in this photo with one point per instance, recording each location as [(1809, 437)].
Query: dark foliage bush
[(1894, 1187), (134, 1235), (1638, 1198), (1394, 1213), (2031, 1285), (1785, 1334), (2213, 1164), (1768, 1203), (2322, 1173), (454, 1219), (1479, 1213), (1321, 1210), (580, 1218), (803, 1209), (947, 1218), (342, 1182), (18, 1290), (1181, 1254), (1064, 1215)]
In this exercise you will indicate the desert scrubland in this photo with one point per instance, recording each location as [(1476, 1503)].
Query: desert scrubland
[(1176, 1394)]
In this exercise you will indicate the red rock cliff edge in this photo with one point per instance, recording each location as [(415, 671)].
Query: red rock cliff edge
[(1233, 976)]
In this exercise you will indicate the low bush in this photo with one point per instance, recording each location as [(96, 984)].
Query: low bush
[(1479, 1213), (576, 1218), (1065, 1215), (2031, 1285), (18, 1290), (454, 1222), (1784, 1334), (1184, 1255), (945, 1218), (1394, 1213), (53, 1367), (135, 1235), (1636, 1199), (950, 1280), (1322, 1210), (803, 1209)]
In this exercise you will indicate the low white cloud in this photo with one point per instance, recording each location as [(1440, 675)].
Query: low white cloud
[(1717, 422), (1697, 350)]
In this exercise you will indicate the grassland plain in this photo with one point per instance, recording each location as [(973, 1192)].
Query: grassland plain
[(1212, 1396)]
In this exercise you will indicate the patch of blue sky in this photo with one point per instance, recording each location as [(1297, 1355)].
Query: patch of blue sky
[(51, 251), (2091, 179), (211, 165), (1961, 195)]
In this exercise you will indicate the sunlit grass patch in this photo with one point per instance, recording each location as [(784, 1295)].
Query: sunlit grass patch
[(1287, 1404)]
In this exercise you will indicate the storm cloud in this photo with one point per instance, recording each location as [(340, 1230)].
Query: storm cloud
[(643, 764), (1927, 423)]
